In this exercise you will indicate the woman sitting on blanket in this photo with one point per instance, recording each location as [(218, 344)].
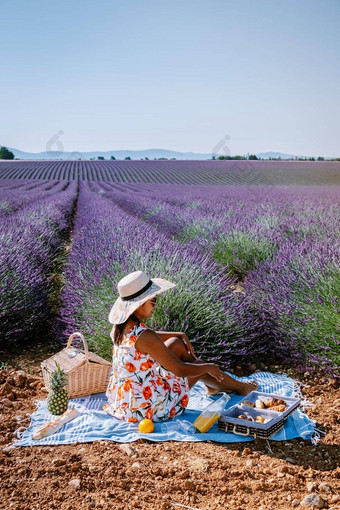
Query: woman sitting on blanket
[(153, 371)]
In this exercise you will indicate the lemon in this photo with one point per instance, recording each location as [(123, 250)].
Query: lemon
[(146, 426)]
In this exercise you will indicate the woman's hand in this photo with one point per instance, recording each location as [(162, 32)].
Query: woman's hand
[(188, 345), (215, 372)]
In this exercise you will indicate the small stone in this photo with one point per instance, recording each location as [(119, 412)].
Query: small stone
[(5, 389), (285, 469), (36, 385), (280, 474), (289, 497), (126, 448), (249, 463), (19, 379), (58, 462), (310, 486), (295, 502), (246, 451), (6, 402), (136, 465), (324, 487), (93, 469), (290, 460), (75, 482), (314, 501)]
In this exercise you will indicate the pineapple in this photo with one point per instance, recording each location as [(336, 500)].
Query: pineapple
[(57, 400)]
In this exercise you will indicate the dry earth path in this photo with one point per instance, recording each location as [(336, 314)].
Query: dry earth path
[(169, 475)]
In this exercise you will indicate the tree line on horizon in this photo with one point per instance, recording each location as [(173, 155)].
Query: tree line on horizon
[(8, 155)]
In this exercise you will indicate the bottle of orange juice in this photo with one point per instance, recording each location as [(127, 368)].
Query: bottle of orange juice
[(211, 414)]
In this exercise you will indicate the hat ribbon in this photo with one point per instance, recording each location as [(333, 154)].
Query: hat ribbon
[(138, 293)]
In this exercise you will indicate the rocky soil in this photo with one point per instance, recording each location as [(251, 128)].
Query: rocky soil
[(259, 475)]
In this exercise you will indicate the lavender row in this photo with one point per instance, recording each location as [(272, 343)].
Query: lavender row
[(31, 240), (14, 197)]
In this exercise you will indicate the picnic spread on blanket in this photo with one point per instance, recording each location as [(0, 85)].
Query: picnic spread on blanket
[(90, 422)]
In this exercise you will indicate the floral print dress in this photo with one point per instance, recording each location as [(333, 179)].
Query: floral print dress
[(140, 387)]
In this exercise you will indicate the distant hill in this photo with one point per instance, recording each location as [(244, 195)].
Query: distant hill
[(135, 155), (121, 154)]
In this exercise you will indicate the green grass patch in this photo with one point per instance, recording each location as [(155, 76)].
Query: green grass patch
[(241, 252)]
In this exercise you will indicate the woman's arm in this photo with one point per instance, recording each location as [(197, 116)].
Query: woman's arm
[(150, 343)]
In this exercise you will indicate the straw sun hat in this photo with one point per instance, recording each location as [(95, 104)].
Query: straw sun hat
[(134, 290)]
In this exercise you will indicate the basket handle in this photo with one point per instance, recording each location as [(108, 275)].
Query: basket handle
[(84, 342), (241, 433)]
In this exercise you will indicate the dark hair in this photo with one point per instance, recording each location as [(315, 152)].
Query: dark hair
[(119, 328)]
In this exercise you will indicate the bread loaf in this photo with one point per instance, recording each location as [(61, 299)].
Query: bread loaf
[(52, 427)]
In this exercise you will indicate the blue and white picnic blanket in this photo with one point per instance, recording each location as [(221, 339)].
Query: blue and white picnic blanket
[(94, 424)]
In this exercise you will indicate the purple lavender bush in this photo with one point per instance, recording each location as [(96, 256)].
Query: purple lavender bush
[(30, 241)]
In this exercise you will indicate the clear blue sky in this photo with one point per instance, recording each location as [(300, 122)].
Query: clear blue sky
[(176, 74)]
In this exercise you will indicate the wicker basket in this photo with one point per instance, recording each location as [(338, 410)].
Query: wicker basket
[(86, 372)]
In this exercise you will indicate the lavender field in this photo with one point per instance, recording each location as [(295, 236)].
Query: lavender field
[(224, 172), (256, 267)]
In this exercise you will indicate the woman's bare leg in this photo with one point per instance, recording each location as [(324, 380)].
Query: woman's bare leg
[(228, 384)]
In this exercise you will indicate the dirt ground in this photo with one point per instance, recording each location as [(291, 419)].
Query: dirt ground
[(258, 475)]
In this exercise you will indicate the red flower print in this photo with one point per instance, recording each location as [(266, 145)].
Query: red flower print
[(153, 384), (143, 325), (166, 386), (145, 404), (119, 394), (132, 420), (130, 367), (173, 412), (144, 366), (159, 381), (176, 388), (127, 385), (124, 405), (138, 355), (149, 414), (147, 392), (184, 401), (132, 340)]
